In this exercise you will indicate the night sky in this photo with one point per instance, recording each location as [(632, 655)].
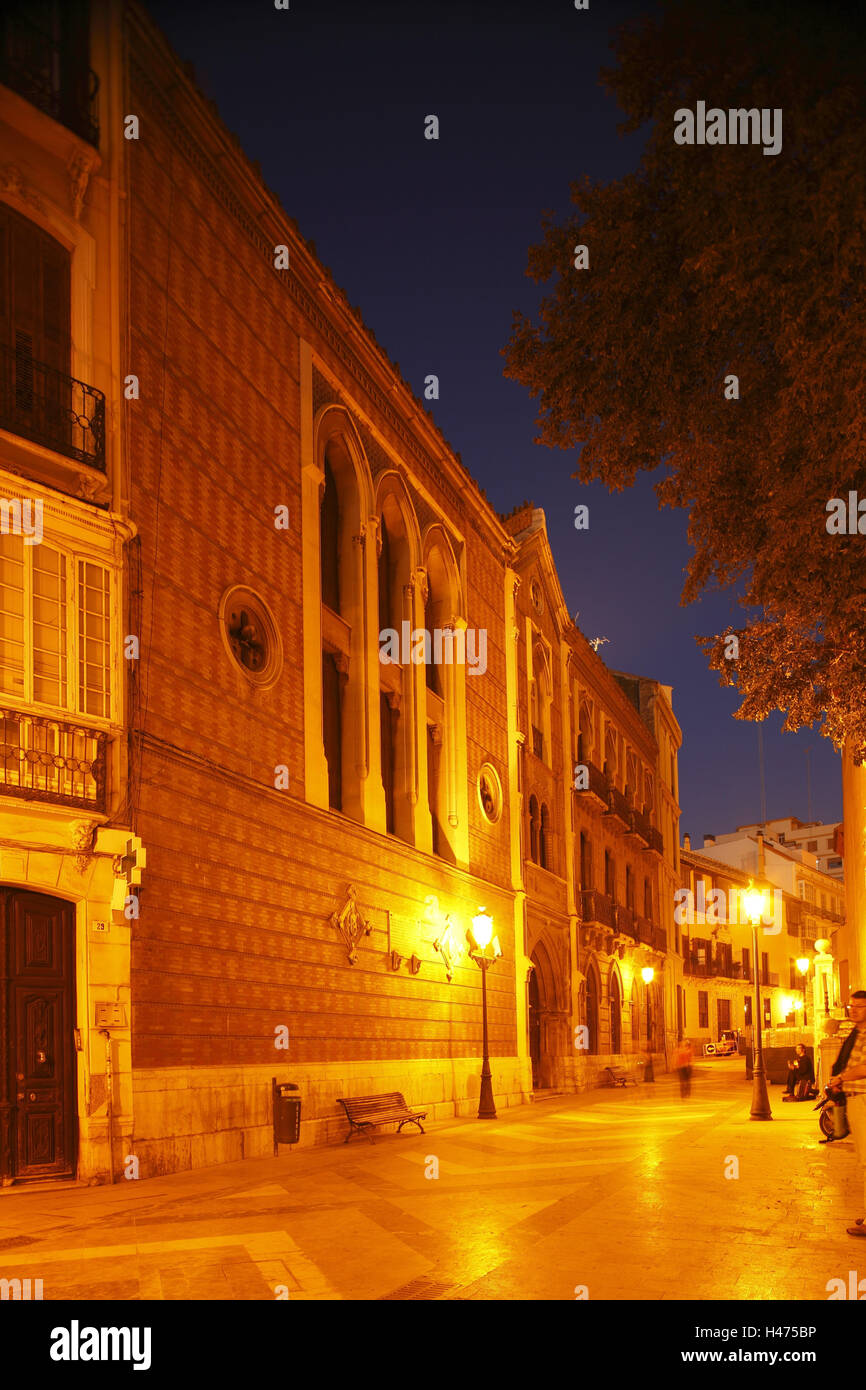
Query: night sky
[(430, 239)]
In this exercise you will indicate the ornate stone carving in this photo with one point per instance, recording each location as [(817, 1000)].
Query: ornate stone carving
[(79, 169), (12, 181), (351, 924), (82, 839)]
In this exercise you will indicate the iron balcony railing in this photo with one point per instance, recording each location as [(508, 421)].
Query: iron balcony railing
[(52, 409), (597, 907), (619, 807), (641, 825), (598, 783), (625, 922), (48, 74), (44, 759), (656, 842)]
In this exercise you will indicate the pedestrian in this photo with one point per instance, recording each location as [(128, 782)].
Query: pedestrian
[(801, 1075), (849, 1072), (683, 1063)]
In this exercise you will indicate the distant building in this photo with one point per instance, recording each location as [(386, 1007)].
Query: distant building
[(821, 842), (793, 870), (717, 951)]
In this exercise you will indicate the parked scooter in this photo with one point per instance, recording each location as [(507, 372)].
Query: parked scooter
[(833, 1119)]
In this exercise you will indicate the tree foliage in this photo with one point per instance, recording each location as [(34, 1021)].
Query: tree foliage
[(713, 260)]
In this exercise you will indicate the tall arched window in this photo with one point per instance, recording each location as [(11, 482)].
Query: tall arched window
[(396, 703), (540, 702), (344, 502), (445, 698), (585, 860), (534, 829), (544, 845), (615, 1013), (593, 991)]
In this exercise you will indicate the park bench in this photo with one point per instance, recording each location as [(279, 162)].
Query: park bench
[(617, 1076), (365, 1112)]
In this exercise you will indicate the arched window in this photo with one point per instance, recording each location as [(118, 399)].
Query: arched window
[(445, 700), (534, 829), (540, 702), (629, 887), (544, 846), (396, 694), (593, 991), (615, 1013), (611, 761), (329, 532), (647, 899)]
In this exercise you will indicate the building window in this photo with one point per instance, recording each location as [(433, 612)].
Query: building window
[(490, 793), (388, 731), (647, 899), (332, 728), (812, 846), (703, 1009), (615, 1014), (592, 997), (585, 861), (534, 828), (329, 533), (55, 620), (445, 695), (629, 887), (251, 635), (544, 839), (609, 876), (540, 704), (635, 1013)]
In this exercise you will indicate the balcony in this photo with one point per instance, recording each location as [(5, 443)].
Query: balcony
[(51, 409), (641, 827), (52, 760), (598, 789), (48, 74), (656, 842), (597, 908), (619, 809), (625, 922)]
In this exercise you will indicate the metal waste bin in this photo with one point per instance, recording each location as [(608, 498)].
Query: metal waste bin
[(287, 1113)]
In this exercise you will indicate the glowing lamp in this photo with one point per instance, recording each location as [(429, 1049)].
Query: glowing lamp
[(755, 904), (803, 965), (482, 929), (647, 974)]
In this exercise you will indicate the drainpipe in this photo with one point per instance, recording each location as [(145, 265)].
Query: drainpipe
[(109, 1087)]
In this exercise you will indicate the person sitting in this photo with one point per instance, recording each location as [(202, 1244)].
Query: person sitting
[(801, 1075)]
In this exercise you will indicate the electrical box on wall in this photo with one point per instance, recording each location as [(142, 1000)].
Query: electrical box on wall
[(110, 1015)]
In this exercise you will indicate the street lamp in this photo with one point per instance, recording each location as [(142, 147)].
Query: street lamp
[(484, 949), (754, 903)]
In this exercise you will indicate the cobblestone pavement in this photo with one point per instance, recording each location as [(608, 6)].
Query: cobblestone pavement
[(623, 1192)]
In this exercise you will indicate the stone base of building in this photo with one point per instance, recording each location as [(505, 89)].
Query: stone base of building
[(194, 1118)]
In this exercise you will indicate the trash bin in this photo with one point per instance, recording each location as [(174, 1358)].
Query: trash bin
[(287, 1113)]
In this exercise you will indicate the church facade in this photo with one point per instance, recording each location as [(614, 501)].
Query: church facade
[(243, 836)]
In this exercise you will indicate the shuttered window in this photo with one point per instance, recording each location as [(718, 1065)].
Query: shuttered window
[(55, 637)]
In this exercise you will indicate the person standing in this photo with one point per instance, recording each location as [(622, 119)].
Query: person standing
[(849, 1072), (684, 1066)]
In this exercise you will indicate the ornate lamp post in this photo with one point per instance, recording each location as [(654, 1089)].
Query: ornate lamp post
[(754, 903), (484, 950)]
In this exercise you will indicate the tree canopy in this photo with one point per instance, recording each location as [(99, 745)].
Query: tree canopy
[(713, 261)]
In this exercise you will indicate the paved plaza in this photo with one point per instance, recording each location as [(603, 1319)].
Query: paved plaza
[(623, 1193)]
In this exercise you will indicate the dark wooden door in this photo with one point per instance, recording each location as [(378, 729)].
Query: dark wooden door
[(38, 1132)]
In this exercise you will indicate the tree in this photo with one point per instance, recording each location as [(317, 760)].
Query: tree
[(715, 261)]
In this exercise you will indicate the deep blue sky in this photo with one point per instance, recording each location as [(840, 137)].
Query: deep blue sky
[(430, 239)]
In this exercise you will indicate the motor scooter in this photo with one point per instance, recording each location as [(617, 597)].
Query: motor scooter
[(832, 1121)]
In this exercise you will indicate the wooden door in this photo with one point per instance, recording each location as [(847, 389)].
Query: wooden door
[(38, 1129)]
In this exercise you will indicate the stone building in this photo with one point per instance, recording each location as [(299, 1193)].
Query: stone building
[(235, 842)]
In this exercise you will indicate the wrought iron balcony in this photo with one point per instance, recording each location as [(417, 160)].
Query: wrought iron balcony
[(49, 75), (52, 409), (598, 785), (597, 907), (52, 760), (618, 808), (644, 930), (656, 842), (625, 922)]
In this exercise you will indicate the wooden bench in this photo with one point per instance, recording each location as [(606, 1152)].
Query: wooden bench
[(618, 1076), (365, 1112)]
